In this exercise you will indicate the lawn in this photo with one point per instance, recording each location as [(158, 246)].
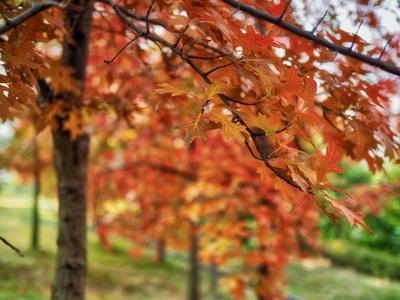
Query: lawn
[(116, 275)]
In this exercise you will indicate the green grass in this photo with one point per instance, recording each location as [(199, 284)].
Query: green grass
[(331, 283), (116, 275)]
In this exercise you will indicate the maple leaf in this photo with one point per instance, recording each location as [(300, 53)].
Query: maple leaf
[(229, 129), (4, 105), (310, 91), (353, 217), (331, 216), (269, 125), (24, 94), (299, 177), (292, 86), (194, 129), (61, 77), (361, 137), (52, 110), (327, 163), (165, 88), (217, 87), (74, 123), (251, 41)]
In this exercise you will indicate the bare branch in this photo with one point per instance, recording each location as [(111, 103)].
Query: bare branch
[(310, 36), (241, 102), (147, 17), (251, 150), (285, 9), (33, 11), (355, 36), (12, 247), (319, 22), (384, 48), (123, 48), (219, 67)]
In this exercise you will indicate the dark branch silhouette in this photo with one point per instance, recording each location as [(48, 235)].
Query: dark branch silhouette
[(12, 247), (310, 36)]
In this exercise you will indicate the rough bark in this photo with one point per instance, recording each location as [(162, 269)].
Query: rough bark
[(36, 192), (70, 158)]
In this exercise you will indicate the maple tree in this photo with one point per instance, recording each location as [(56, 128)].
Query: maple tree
[(290, 103)]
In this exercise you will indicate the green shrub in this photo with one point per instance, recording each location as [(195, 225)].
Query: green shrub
[(370, 261)]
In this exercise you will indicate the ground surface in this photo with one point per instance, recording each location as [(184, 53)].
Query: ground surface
[(115, 275)]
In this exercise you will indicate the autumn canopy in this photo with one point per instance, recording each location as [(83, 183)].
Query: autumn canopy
[(276, 105)]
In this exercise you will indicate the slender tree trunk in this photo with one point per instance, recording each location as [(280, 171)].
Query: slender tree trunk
[(262, 272), (36, 192), (160, 251), (70, 158), (194, 277), (213, 279)]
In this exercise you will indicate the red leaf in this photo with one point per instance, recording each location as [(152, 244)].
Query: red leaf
[(327, 163)]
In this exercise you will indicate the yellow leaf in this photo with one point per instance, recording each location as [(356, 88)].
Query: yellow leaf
[(217, 87), (194, 129), (229, 129), (165, 88)]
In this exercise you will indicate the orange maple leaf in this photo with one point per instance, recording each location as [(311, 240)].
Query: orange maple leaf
[(353, 217), (74, 123), (328, 163), (292, 86)]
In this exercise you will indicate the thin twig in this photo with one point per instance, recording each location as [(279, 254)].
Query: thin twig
[(147, 17), (384, 48), (251, 150), (235, 11), (285, 10), (241, 102), (217, 68), (330, 122), (206, 57), (319, 22), (6, 19), (355, 37), (20, 253), (123, 48)]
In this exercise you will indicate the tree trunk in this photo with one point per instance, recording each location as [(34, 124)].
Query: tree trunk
[(262, 272), (70, 158), (160, 251), (194, 277), (213, 279), (36, 192)]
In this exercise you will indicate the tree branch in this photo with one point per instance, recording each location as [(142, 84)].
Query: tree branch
[(34, 10), (12, 247), (184, 57), (310, 36)]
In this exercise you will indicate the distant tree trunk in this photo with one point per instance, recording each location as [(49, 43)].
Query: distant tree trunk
[(213, 279), (160, 251), (36, 192), (194, 277), (70, 158), (262, 272)]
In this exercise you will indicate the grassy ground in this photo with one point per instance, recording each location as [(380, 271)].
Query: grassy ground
[(316, 282), (115, 275)]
